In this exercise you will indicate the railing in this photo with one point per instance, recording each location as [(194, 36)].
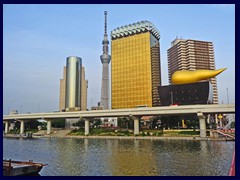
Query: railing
[(232, 168), (224, 134)]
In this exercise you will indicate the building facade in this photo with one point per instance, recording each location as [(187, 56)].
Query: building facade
[(75, 96), (192, 55), (135, 70), (62, 91), (186, 94), (84, 87), (73, 83)]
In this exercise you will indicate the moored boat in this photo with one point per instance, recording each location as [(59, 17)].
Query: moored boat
[(21, 168)]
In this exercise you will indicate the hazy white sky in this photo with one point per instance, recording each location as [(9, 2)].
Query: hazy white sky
[(38, 38)]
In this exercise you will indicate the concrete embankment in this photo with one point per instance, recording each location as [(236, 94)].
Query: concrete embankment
[(124, 137), (139, 137), (64, 133)]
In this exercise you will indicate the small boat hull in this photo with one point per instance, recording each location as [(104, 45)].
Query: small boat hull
[(21, 168)]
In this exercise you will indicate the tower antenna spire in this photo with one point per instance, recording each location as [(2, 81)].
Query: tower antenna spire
[(105, 24)]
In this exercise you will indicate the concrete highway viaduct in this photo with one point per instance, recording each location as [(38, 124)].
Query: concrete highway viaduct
[(135, 113)]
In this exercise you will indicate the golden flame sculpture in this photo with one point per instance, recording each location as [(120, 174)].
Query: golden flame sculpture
[(186, 77)]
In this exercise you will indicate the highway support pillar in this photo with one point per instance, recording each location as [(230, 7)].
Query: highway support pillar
[(6, 127), (202, 124), (22, 126), (136, 124), (213, 134), (49, 126), (87, 124)]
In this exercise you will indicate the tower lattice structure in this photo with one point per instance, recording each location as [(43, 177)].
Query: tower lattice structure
[(105, 59)]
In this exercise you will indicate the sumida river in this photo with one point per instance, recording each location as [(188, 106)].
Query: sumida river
[(115, 157)]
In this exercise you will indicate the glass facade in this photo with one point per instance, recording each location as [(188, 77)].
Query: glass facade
[(135, 71)]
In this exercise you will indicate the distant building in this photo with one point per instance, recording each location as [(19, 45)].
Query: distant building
[(109, 122), (135, 66), (14, 111), (62, 91), (98, 107), (192, 55), (73, 86), (84, 87)]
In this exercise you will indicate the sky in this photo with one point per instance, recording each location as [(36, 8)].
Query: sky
[(37, 39)]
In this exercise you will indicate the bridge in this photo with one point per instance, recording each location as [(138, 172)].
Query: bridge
[(135, 113)]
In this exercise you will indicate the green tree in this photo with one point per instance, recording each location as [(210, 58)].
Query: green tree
[(59, 123), (30, 125), (79, 124), (97, 122)]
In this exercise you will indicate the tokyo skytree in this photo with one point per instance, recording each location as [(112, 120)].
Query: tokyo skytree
[(105, 58)]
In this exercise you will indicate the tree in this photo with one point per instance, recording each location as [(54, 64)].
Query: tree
[(59, 123), (79, 124), (97, 122), (33, 124), (125, 123), (169, 121)]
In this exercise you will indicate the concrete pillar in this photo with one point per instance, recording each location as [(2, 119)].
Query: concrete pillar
[(49, 126), (215, 135), (6, 127), (211, 134), (202, 124), (136, 124), (216, 119), (86, 126), (208, 119), (22, 127)]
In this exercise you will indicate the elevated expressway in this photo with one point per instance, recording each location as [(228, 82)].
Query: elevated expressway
[(136, 113)]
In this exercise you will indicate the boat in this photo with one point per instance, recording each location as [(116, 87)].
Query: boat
[(19, 136), (21, 168)]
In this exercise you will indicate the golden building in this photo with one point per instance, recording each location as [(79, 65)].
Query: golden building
[(192, 55), (135, 65)]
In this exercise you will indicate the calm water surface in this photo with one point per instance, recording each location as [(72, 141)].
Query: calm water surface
[(113, 157)]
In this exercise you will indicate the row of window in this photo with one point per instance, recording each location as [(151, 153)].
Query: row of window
[(131, 69), (129, 53), (131, 43), (140, 91), (130, 104)]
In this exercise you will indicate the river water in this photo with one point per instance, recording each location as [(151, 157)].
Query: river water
[(115, 157)]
